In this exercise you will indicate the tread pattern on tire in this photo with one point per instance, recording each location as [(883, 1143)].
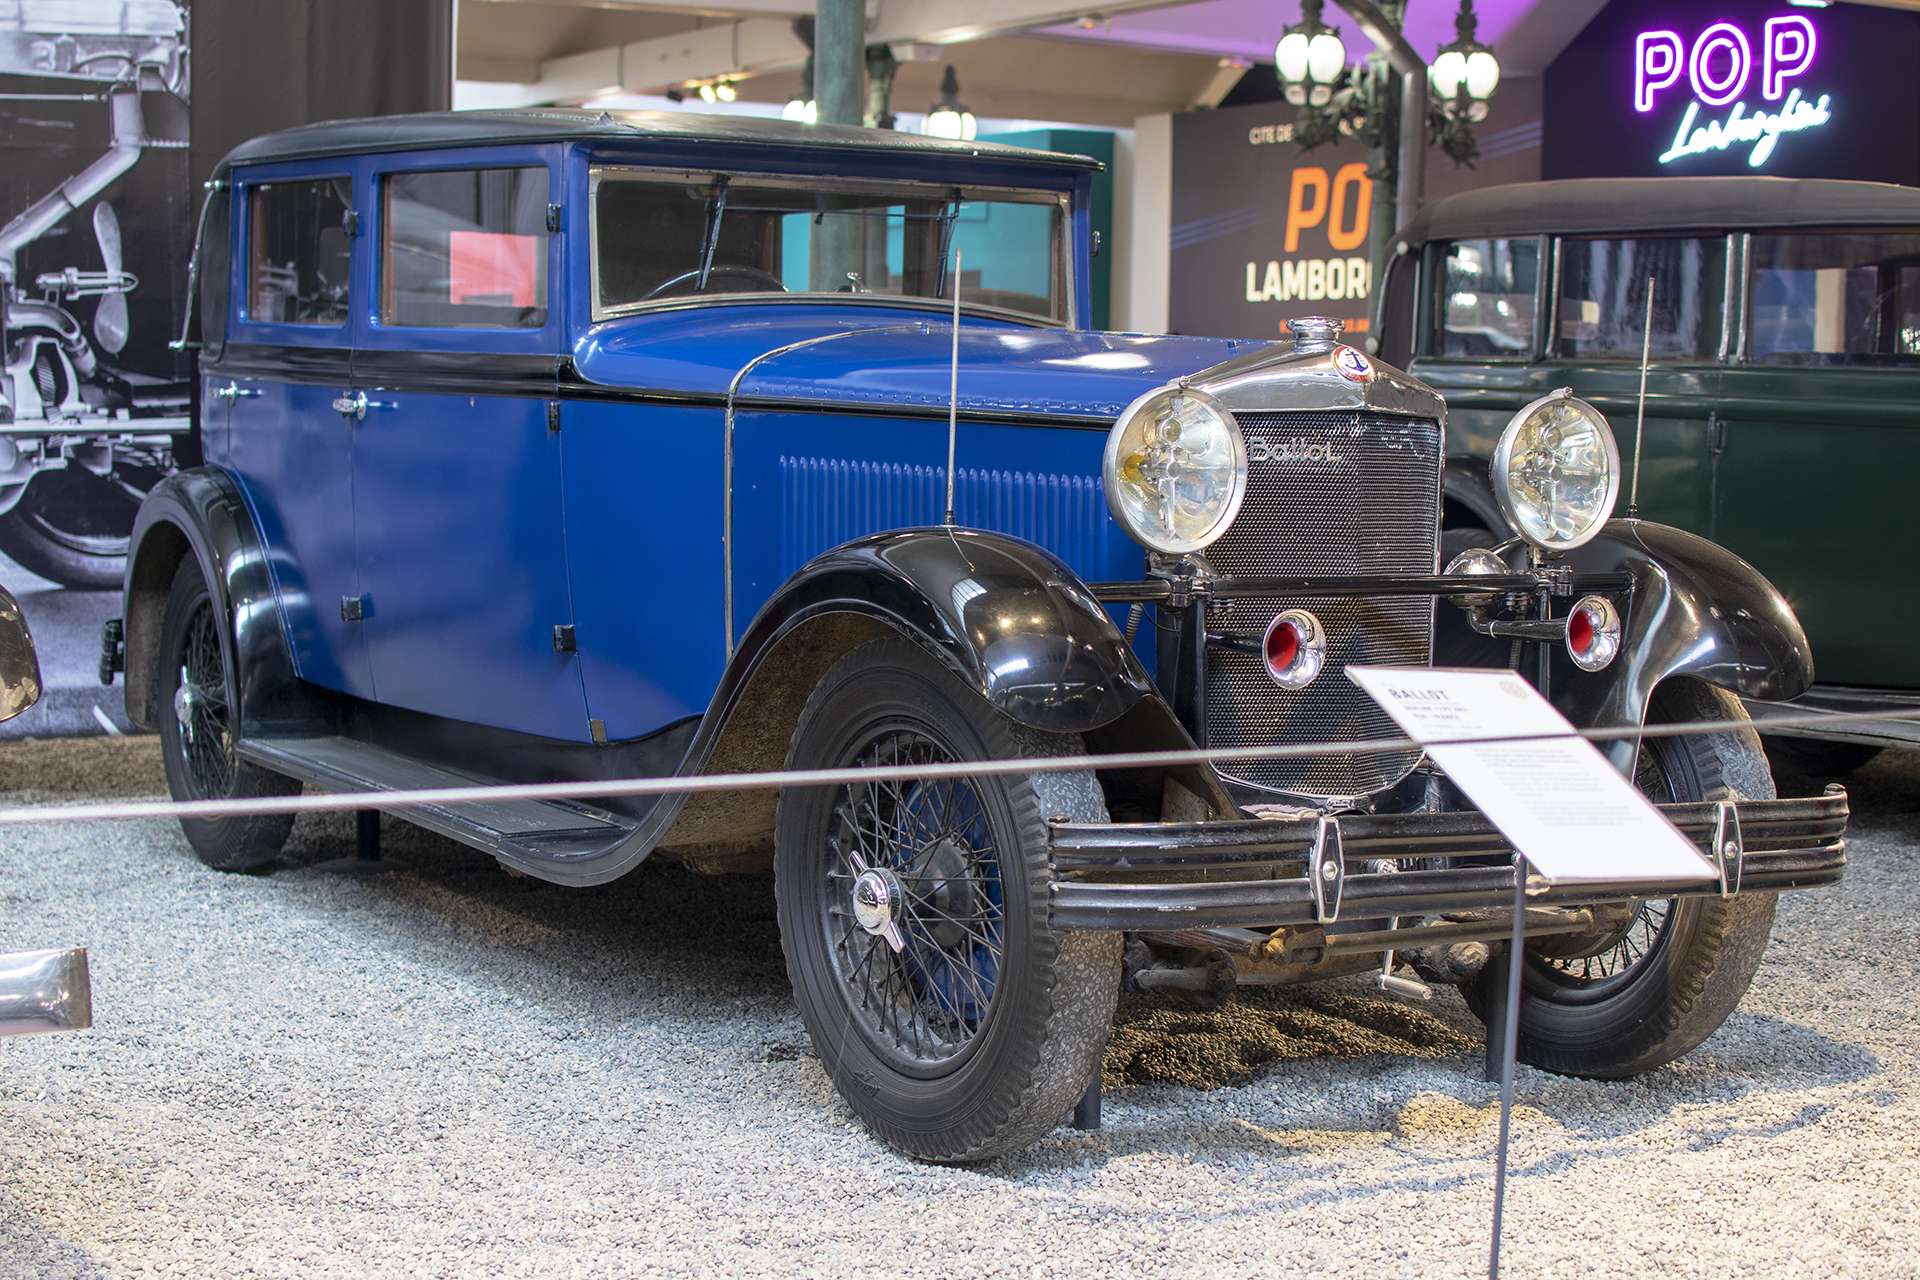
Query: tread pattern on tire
[(1045, 1060), (225, 844), (1714, 946)]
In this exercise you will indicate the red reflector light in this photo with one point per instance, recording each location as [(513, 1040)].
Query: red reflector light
[(1295, 648), (1580, 632), (1283, 645)]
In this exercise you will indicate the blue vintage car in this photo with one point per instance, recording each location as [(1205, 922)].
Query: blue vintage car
[(562, 445)]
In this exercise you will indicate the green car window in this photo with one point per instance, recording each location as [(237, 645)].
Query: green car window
[(1603, 298), (1487, 292), (1835, 299)]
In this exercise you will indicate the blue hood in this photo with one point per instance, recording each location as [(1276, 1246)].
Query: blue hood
[(887, 357)]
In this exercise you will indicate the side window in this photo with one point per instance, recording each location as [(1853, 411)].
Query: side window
[(1836, 299), (299, 251), (1603, 298), (465, 248), (1486, 298)]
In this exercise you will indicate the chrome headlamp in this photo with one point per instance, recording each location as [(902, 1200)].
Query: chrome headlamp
[(1175, 470), (1556, 472)]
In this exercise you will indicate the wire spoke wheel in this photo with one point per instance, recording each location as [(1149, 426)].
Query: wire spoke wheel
[(927, 1002), (1676, 967), (200, 707), (913, 914), (200, 732)]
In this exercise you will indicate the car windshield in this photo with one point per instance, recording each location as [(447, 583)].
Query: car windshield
[(664, 236)]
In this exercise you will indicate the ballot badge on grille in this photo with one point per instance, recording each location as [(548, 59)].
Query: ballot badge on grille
[(1352, 364)]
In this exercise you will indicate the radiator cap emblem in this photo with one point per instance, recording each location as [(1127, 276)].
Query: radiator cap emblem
[(1352, 364)]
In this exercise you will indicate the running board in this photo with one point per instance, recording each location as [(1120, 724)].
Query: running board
[(521, 830)]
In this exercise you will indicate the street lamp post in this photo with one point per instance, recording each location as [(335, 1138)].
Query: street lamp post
[(1388, 103)]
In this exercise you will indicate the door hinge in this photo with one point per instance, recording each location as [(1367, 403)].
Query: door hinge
[(351, 222), (355, 608), (1716, 434), (553, 415), (598, 730), (553, 217), (563, 638)]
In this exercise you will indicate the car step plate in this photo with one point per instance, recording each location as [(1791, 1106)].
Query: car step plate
[(342, 764)]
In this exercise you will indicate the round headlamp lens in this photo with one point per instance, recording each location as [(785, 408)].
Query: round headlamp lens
[(1175, 470), (1556, 472)]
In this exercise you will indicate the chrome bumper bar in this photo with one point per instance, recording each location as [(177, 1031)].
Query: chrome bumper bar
[(1240, 874)]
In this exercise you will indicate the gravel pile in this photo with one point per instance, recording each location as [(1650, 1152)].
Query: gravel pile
[(447, 1071)]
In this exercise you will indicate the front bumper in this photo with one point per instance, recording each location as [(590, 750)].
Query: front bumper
[(1242, 874)]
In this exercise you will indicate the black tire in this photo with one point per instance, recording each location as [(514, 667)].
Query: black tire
[(197, 733), (71, 527), (1812, 758), (980, 1035), (1679, 969)]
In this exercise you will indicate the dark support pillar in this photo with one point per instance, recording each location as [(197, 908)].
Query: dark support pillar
[(839, 55), (1494, 984), (1086, 1115), (366, 833)]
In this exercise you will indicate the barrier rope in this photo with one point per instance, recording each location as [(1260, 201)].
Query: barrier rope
[(392, 801)]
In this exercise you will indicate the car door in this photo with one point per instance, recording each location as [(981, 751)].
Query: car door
[(284, 364), (456, 459), (1820, 442)]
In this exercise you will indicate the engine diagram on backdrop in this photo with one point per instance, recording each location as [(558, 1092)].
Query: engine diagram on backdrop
[(90, 409)]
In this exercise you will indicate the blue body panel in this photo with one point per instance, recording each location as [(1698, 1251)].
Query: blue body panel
[(463, 558), (472, 530), (805, 483), (643, 501), (890, 356), (292, 455)]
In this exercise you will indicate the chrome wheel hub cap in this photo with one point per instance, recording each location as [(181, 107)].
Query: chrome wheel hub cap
[(186, 699), (878, 904)]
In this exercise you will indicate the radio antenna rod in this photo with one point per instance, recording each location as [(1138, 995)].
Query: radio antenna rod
[(953, 386), (1640, 420)]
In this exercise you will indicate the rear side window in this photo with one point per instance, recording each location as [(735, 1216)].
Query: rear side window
[(465, 248), (1603, 298), (299, 252), (1835, 299), (1486, 299)]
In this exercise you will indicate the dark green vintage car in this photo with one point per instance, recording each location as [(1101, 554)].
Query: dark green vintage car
[(1782, 388)]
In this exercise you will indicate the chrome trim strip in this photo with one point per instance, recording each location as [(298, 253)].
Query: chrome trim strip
[(726, 469)]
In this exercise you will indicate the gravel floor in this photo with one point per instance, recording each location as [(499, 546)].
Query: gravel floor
[(446, 1071)]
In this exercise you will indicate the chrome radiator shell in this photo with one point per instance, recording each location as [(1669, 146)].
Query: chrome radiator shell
[(1343, 478), (1337, 493)]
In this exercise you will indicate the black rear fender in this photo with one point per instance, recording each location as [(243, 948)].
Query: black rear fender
[(200, 514)]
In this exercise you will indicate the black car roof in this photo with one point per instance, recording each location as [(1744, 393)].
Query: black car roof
[(565, 124), (1577, 206)]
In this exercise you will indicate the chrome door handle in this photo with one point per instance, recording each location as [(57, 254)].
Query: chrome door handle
[(232, 392), (353, 405)]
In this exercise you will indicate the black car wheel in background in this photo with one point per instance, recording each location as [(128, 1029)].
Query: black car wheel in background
[(71, 527)]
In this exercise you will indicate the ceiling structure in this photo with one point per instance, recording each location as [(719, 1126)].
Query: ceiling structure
[(1064, 61), (1041, 60)]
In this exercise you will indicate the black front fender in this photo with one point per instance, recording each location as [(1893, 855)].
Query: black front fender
[(1696, 610), (1004, 615)]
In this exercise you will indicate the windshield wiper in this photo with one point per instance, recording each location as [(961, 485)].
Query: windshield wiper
[(716, 208)]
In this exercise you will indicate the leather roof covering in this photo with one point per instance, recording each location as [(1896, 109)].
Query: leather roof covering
[(1583, 206), (565, 124)]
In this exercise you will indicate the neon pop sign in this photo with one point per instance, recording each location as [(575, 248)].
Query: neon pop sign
[(1718, 66)]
